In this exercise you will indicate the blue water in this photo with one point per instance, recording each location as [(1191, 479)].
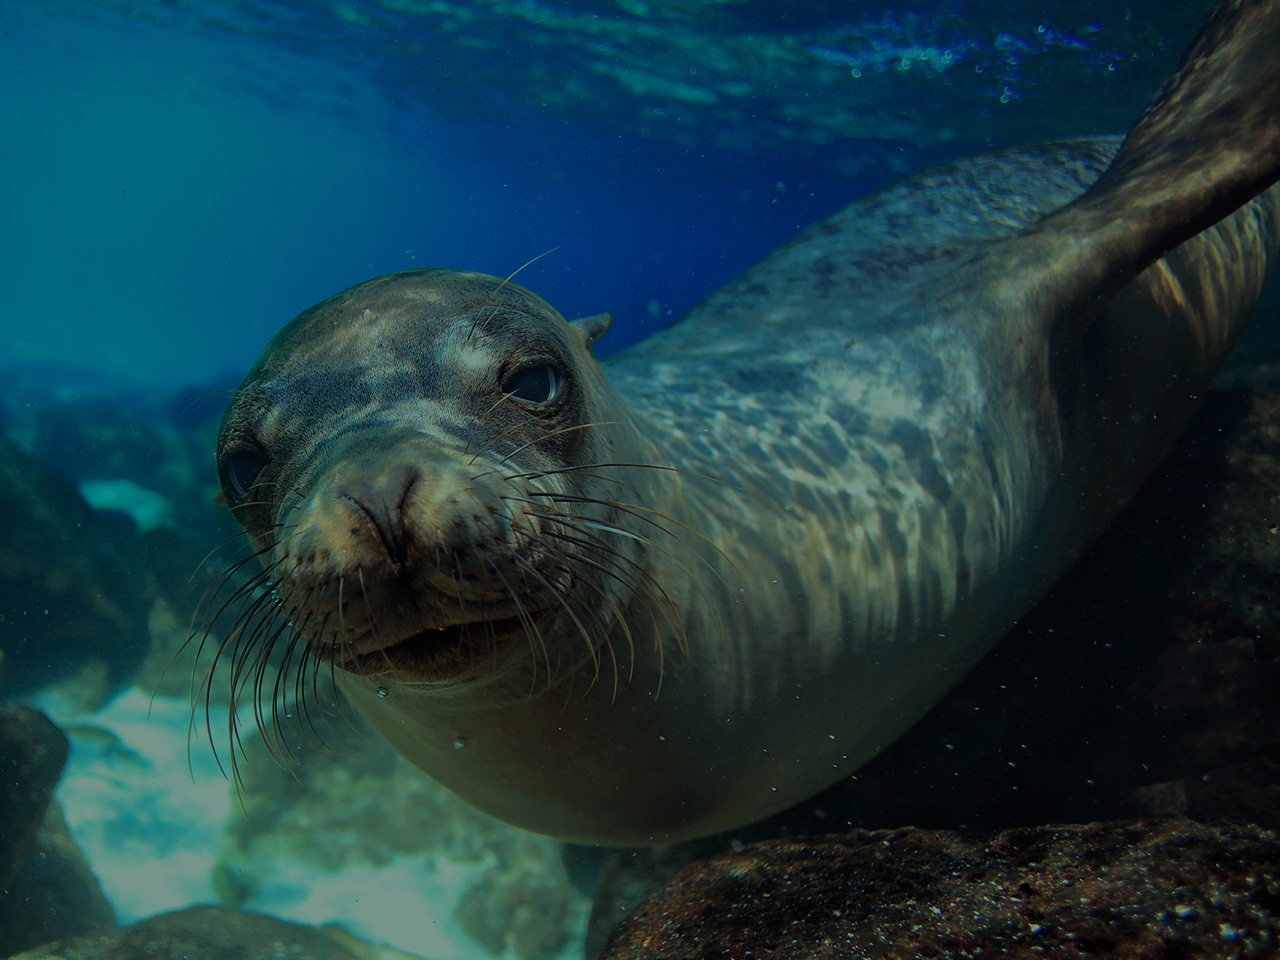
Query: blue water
[(178, 181), (161, 220)]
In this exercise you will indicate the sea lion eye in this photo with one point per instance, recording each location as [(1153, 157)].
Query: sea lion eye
[(241, 470), (537, 384)]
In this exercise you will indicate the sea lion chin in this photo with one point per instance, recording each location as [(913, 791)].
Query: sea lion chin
[(679, 598)]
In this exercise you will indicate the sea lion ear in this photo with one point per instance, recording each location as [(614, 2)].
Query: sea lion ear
[(593, 328)]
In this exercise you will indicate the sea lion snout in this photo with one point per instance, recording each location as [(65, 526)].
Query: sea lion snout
[(413, 554), (381, 498), (414, 517)]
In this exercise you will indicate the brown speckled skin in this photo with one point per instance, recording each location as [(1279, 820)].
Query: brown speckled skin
[(892, 435)]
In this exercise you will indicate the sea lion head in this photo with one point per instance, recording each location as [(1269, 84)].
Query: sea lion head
[(423, 463)]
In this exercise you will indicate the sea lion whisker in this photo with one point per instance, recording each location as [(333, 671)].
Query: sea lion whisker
[(640, 512), (242, 535), (341, 645), (234, 635), (554, 590), (458, 580), (251, 602), (590, 542), (531, 631), (331, 664), (251, 599), (308, 677), (506, 280), (552, 435), (504, 398), (640, 591), (248, 599), (590, 642), (645, 515), (579, 467), (251, 671), (251, 651), (670, 610), (282, 726), (304, 692), (213, 589), (280, 688), (617, 618), (206, 394), (610, 479), (251, 677), (269, 704), (186, 647), (368, 607)]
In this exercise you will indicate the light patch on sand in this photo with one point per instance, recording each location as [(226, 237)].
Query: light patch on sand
[(151, 829), (149, 826)]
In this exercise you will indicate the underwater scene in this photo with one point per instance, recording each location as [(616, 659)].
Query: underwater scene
[(801, 483)]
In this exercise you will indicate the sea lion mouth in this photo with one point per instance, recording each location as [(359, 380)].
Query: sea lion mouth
[(439, 652)]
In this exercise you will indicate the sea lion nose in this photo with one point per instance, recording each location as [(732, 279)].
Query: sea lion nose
[(381, 498)]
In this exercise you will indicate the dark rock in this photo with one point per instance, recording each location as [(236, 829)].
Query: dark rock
[(213, 933), (54, 893), (1161, 889), (71, 590), (46, 888), (32, 754)]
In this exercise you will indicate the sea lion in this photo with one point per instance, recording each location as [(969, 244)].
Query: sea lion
[(669, 594)]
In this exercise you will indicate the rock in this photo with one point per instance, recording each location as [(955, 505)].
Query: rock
[(71, 587), (46, 888), (1139, 889), (54, 893), (215, 933), (32, 754)]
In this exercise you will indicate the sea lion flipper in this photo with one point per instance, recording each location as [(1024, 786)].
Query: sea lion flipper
[(1214, 126), (1208, 143)]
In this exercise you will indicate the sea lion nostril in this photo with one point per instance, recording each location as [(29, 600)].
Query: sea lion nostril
[(381, 498)]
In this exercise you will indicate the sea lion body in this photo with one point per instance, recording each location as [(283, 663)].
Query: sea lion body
[(695, 585)]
